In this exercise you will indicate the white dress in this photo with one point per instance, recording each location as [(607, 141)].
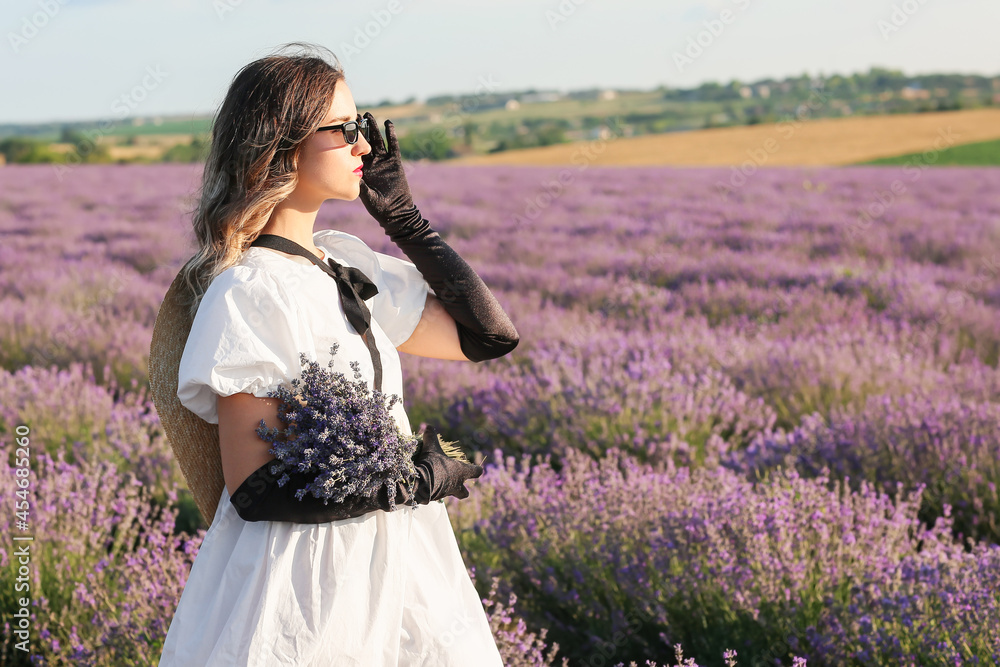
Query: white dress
[(385, 588)]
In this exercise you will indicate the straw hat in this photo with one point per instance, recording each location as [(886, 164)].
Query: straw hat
[(195, 442)]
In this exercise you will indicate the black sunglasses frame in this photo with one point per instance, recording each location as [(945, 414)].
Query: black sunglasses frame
[(355, 127)]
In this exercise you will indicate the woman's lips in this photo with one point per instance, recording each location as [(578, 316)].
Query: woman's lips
[(358, 171)]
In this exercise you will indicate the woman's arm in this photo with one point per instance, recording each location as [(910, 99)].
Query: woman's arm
[(255, 493), (483, 328), (436, 335), (243, 451)]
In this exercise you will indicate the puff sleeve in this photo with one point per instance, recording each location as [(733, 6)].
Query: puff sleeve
[(402, 294), (242, 339)]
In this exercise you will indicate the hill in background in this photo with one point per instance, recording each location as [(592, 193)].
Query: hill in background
[(495, 123), (828, 141)]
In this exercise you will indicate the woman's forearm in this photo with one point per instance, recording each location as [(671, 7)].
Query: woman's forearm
[(259, 498), (484, 329)]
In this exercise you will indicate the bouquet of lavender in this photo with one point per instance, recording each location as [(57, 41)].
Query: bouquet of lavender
[(342, 433)]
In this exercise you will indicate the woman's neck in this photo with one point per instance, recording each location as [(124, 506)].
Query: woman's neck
[(294, 222)]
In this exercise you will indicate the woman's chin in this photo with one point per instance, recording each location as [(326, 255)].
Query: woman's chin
[(350, 194)]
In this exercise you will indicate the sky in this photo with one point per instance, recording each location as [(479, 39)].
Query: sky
[(71, 60)]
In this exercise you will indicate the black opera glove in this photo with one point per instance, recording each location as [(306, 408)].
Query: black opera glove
[(484, 330), (259, 498), (440, 475)]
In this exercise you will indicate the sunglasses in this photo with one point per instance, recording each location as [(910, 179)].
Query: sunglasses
[(351, 129)]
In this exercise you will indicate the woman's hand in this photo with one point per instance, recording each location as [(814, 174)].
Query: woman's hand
[(384, 190), (441, 475)]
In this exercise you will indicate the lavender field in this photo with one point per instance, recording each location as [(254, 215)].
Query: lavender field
[(762, 418)]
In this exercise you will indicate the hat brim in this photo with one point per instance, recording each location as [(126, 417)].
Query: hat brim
[(194, 441)]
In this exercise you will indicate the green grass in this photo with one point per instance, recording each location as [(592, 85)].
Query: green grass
[(173, 126), (980, 154)]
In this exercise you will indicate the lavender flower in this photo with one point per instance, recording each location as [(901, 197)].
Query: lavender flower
[(765, 329), (340, 432)]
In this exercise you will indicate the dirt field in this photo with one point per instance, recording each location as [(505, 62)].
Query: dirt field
[(834, 141)]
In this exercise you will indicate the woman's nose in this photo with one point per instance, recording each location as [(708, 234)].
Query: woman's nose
[(362, 147)]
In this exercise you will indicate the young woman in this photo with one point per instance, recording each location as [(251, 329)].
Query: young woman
[(279, 581)]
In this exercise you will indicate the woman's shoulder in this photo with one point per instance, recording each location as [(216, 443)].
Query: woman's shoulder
[(341, 242), (336, 236), (347, 248), (254, 279), (242, 273)]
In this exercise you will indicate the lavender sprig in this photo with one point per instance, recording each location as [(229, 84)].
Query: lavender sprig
[(342, 433)]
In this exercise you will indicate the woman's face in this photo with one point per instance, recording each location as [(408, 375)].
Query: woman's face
[(329, 167)]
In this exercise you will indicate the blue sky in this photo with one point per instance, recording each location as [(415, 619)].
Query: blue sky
[(76, 59)]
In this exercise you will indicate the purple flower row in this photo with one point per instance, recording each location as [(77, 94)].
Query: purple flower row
[(790, 567)]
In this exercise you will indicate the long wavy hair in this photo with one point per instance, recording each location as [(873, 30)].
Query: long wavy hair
[(272, 106)]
